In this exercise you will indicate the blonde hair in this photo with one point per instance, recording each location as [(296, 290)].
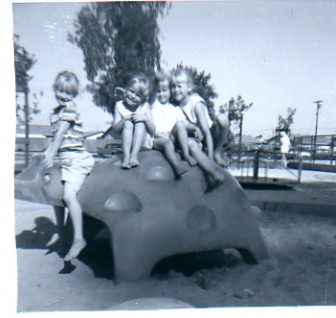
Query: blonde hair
[(143, 84), (67, 82), (161, 76), (182, 71)]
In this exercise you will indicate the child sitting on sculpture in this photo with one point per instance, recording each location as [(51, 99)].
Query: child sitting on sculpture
[(216, 128), (165, 116), (196, 112), (76, 163), (133, 120)]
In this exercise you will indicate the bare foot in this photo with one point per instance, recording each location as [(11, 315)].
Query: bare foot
[(125, 165), (134, 162), (190, 160), (222, 160), (75, 249), (179, 170), (217, 176)]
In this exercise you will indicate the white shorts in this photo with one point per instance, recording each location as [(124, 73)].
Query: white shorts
[(76, 165)]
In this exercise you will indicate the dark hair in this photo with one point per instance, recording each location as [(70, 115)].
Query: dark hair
[(68, 82)]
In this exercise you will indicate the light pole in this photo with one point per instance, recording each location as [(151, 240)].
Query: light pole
[(240, 137), (318, 105)]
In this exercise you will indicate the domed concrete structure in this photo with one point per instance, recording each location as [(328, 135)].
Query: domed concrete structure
[(150, 215)]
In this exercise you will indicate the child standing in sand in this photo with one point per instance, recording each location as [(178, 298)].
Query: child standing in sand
[(133, 120), (76, 162), (165, 116), (196, 112)]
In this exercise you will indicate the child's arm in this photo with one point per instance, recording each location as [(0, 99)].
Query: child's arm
[(147, 119), (51, 151), (201, 116), (193, 128)]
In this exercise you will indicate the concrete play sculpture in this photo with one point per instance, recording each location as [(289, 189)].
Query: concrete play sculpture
[(150, 215)]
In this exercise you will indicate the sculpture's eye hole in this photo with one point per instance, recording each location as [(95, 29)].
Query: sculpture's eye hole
[(47, 177)]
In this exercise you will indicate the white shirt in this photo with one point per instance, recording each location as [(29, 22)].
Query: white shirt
[(189, 109), (285, 143), (165, 117)]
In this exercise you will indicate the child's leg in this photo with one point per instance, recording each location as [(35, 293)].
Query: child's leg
[(168, 149), (75, 211), (138, 138), (181, 133), (221, 131), (127, 136), (207, 165), (284, 160), (59, 214)]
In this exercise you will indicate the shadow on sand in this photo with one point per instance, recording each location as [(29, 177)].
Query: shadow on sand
[(97, 254)]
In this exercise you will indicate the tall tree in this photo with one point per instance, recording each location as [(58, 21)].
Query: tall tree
[(118, 39), (235, 109), (23, 62), (284, 123)]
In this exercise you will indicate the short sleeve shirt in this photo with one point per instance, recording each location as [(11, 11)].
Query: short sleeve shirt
[(189, 109), (74, 136), (165, 117)]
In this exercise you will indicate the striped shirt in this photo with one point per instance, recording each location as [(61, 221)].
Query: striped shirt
[(74, 136)]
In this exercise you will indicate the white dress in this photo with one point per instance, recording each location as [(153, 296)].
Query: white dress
[(285, 143), (142, 109), (165, 117)]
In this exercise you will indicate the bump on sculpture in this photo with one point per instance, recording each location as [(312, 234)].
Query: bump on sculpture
[(176, 217)]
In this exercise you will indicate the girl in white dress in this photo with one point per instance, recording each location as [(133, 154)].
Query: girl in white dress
[(133, 120), (165, 116)]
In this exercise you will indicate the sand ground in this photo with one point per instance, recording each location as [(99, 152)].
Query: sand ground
[(302, 271)]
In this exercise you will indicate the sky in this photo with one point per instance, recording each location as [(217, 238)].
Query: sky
[(275, 54)]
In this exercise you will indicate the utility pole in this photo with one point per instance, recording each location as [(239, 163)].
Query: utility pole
[(318, 105), (26, 111), (240, 138)]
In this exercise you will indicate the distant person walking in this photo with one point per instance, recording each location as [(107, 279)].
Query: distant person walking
[(285, 144)]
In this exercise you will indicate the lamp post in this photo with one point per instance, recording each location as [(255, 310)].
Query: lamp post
[(318, 105), (240, 137)]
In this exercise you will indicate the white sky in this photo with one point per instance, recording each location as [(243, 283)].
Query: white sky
[(276, 54)]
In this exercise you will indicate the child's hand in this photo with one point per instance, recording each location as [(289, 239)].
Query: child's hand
[(198, 134), (139, 117), (48, 161), (128, 117)]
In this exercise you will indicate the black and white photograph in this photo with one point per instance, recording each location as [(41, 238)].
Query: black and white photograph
[(172, 157)]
